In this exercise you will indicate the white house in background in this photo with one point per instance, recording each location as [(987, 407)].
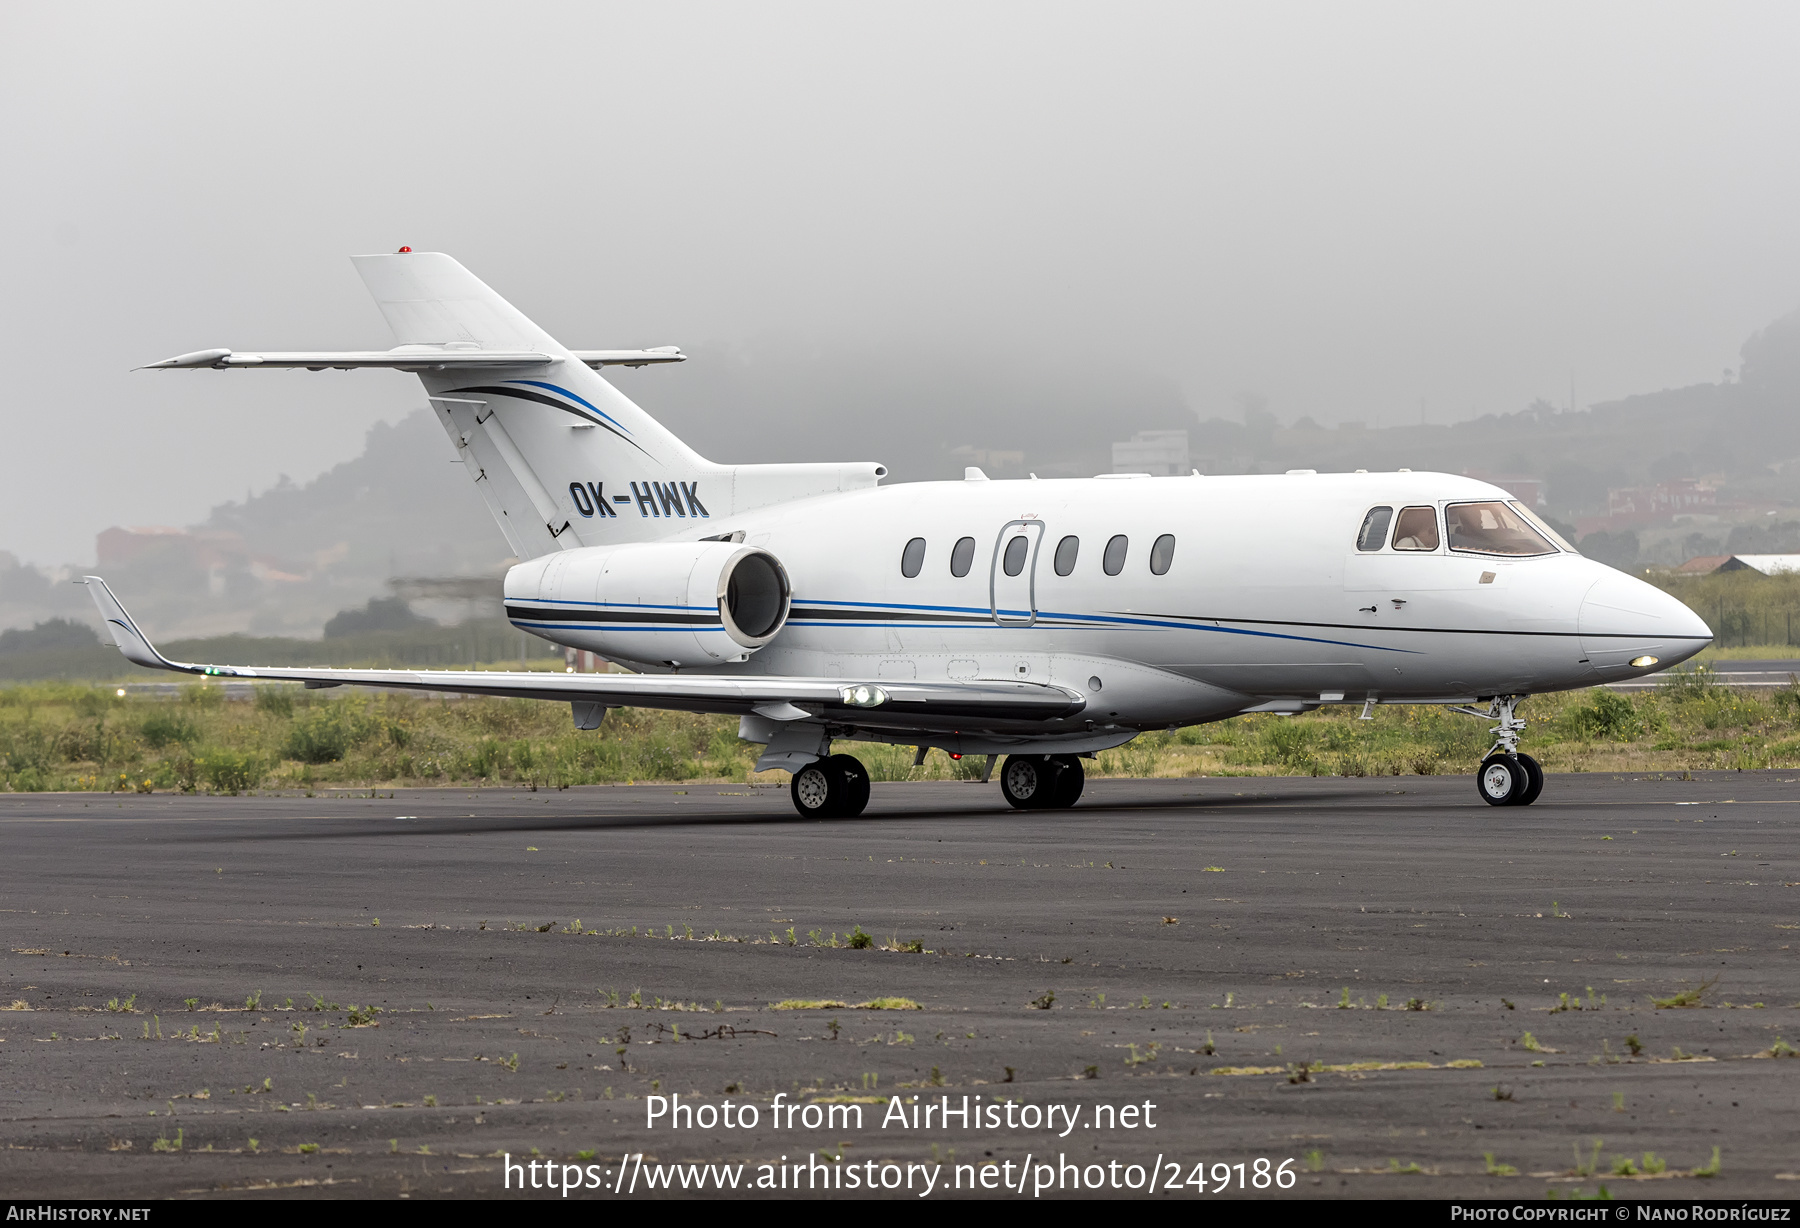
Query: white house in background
[(1768, 564), (1162, 453)]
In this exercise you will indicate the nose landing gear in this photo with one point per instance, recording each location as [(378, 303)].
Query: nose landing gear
[(1507, 777)]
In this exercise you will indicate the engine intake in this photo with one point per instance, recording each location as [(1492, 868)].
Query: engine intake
[(667, 603)]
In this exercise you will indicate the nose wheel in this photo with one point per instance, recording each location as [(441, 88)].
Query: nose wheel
[(1508, 776), (1510, 780), (835, 787), (1042, 782)]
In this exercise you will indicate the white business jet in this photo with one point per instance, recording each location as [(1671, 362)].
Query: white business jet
[(1038, 620)]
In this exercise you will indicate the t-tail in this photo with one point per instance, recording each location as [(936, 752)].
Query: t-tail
[(563, 458)]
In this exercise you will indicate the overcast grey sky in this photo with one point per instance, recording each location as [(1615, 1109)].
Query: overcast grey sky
[(1344, 207)]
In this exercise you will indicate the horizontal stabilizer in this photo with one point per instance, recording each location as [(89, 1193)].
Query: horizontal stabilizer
[(630, 358), (408, 358)]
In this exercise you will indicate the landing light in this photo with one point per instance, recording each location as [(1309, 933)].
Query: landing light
[(863, 696), (1642, 662)]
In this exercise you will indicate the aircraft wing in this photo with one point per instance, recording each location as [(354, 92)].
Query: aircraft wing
[(409, 358), (886, 703)]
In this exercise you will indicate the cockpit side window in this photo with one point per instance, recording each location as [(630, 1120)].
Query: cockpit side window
[(1537, 522), (1492, 528), (1374, 528), (1416, 529)]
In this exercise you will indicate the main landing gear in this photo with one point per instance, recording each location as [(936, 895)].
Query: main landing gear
[(835, 787), (1508, 776), (1042, 782)]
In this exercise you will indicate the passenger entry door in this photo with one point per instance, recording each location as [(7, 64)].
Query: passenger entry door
[(1012, 578)]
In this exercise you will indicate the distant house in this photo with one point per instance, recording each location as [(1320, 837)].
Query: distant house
[(1162, 453), (1768, 564), (1703, 565), (1633, 507), (204, 549)]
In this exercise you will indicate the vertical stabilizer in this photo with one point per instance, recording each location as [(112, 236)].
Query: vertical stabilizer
[(562, 458)]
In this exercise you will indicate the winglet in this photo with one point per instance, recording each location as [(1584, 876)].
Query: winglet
[(133, 643), (199, 358)]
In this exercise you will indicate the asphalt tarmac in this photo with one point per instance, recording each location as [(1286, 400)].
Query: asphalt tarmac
[(1337, 973)]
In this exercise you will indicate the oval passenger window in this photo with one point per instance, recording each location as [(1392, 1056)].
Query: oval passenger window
[(1113, 561), (1014, 561), (1066, 549), (962, 555), (912, 558), (1374, 528), (1162, 554)]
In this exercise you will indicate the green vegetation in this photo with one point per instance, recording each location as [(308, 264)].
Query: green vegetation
[(66, 649), (1744, 608), (66, 736), (1687, 998)]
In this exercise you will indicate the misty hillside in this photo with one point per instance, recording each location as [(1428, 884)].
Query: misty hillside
[(285, 561), (910, 411), (1745, 432)]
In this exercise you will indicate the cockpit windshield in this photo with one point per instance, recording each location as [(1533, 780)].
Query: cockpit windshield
[(1492, 528), (1537, 522)]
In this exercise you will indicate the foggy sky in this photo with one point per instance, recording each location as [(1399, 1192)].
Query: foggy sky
[(1345, 208)]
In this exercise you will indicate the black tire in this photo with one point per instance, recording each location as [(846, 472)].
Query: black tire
[(1534, 781), (836, 787), (1069, 779), (814, 791), (1028, 782), (1501, 780), (853, 780)]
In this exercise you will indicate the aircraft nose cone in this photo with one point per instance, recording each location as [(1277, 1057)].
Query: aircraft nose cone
[(1623, 619)]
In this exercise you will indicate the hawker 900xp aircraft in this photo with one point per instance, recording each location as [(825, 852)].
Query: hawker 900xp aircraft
[(1039, 620)]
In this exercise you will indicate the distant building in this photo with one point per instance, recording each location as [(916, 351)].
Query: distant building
[(1632, 507), (1162, 453), (1663, 499), (213, 551), (1703, 565), (115, 546), (1767, 564)]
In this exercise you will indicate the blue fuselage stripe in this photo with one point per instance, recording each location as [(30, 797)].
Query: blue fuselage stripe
[(538, 383), (1097, 621)]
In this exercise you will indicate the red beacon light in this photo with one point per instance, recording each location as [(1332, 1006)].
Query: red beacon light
[(404, 250)]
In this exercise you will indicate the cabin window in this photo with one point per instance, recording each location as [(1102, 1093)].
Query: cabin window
[(912, 558), (1066, 550), (1374, 528), (1416, 529), (1492, 528), (1113, 561), (1162, 553), (962, 556), (1013, 562)]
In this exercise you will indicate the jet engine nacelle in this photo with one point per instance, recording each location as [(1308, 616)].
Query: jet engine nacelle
[(664, 603)]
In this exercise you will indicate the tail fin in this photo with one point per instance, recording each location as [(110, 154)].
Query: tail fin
[(562, 457)]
